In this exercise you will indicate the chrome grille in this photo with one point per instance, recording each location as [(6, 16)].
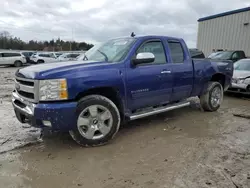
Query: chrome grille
[(27, 89)]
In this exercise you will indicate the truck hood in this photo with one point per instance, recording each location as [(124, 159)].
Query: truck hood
[(42, 70), (241, 74)]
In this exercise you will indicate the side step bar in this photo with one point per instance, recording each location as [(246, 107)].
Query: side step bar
[(158, 110)]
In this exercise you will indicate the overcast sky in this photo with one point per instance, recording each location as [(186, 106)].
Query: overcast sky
[(96, 20)]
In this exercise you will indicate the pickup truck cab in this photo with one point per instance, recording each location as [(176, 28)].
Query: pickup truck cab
[(122, 79)]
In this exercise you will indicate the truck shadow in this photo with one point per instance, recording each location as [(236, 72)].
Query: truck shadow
[(62, 140)]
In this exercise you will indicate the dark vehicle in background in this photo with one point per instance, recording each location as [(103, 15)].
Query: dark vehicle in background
[(58, 54), (241, 77), (27, 56), (196, 53), (228, 55)]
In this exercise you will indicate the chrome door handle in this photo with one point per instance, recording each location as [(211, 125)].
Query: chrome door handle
[(165, 72)]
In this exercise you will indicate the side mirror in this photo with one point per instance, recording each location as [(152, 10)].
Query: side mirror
[(144, 57)]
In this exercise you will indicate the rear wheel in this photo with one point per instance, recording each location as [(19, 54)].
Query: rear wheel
[(98, 120), (18, 63), (212, 99)]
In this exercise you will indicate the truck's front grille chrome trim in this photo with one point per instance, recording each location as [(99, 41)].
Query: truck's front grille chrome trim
[(27, 89), (18, 102)]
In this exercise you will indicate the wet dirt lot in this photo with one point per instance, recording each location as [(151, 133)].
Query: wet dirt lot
[(178, 149)]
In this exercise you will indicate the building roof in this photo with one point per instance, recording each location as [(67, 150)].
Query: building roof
[(224, 14)]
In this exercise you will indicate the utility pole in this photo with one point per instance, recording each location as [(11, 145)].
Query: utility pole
[(71, 40)]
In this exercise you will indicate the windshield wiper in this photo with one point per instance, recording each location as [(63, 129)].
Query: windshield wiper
[(106, 57)]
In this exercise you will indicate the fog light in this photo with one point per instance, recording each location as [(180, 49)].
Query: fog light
[(46, 123)]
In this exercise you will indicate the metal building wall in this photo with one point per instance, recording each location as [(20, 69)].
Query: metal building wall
[(227, 32)]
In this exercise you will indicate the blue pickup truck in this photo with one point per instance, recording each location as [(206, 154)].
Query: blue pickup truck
[(119, 80)]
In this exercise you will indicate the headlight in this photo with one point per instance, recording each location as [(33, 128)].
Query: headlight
[(50, 90)]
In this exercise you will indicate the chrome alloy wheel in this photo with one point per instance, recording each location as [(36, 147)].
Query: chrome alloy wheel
[(216, 96), (94, 122)]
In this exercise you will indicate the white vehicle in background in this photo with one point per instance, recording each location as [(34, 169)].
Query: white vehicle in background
[(44, 57), (68, 57), (12, 58)]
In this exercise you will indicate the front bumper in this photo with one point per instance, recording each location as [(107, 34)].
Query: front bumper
[(60, 115), (239, 88)]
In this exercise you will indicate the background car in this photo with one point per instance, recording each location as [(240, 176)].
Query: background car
[(43, 57), (241, 77), (28, 55), (58, 54), (196, 53), (68, 57), (12, 58), (228, 55)]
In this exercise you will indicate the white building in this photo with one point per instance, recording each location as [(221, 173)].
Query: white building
[(226, 31)]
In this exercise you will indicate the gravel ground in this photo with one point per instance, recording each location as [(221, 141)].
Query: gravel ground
[(178, 149)]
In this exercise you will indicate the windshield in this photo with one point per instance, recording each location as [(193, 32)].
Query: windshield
[(222, 55), (213, 54), (111, 51), (242, 65)]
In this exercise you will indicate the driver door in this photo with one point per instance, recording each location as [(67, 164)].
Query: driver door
[(149, 84)]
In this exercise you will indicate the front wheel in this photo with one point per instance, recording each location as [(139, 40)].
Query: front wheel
[(98, 120), (212, 99)]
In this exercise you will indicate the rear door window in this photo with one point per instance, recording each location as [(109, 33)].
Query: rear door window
[(176, 51)]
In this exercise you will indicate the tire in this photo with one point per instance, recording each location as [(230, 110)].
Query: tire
[(212, 99), (18, 64), (40, 61), (97, 131)]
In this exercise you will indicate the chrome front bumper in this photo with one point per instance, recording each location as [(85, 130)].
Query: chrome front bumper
[(22, 105)]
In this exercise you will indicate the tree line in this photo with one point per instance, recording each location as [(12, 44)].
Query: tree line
[(7, 41)]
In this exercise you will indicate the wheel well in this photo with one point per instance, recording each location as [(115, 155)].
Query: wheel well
[(40, 60), (108, 92), (219, 78)]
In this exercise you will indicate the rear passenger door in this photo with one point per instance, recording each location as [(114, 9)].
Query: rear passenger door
[(182, 70)]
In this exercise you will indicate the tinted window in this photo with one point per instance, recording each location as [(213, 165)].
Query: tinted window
[(156, 48), (11, 54), (176, 52), (235, 55), (44, 55), (74, 55), (196, 53)]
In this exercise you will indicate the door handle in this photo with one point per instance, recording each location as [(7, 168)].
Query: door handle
[(165, 72)]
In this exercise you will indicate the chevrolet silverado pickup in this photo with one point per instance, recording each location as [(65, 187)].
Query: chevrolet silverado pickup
[(119, 80)]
